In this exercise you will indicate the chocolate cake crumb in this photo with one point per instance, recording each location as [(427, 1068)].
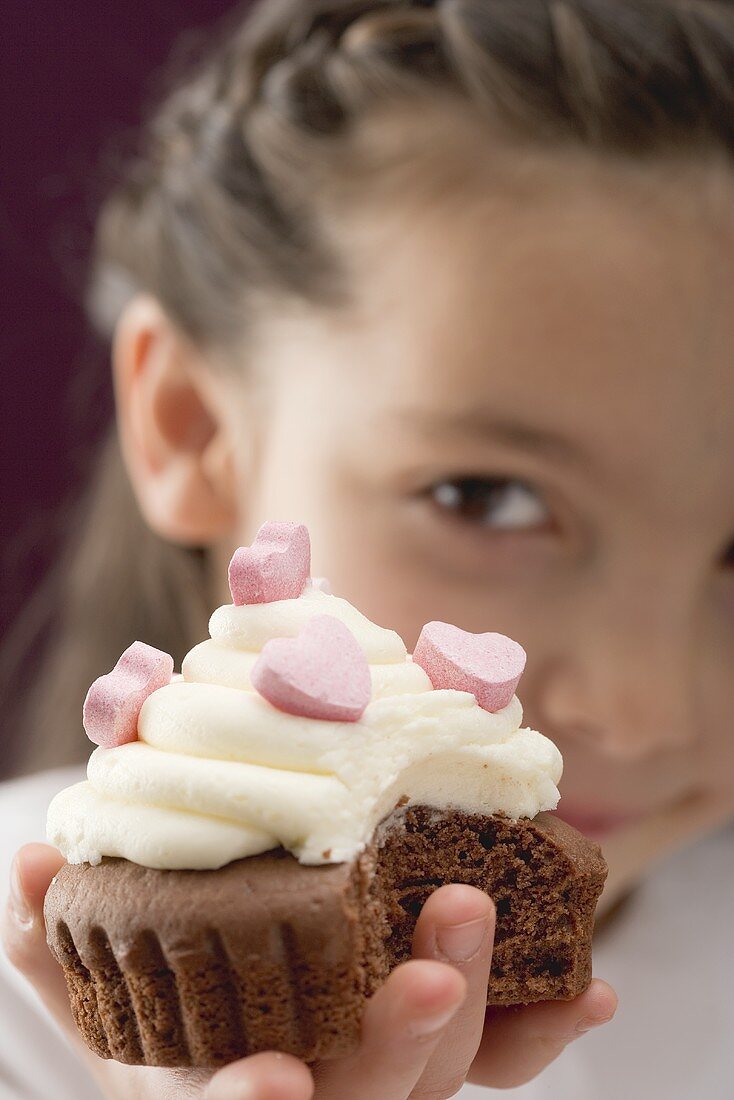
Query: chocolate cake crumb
[(543, 876), (199, 968)]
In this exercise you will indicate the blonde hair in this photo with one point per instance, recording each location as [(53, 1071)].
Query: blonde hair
[(219, 207)]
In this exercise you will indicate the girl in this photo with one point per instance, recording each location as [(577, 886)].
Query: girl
[(451, 283)]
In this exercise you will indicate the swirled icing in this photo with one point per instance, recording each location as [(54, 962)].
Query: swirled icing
[(217, 773)]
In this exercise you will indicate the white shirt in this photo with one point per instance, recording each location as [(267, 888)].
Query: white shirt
[(669, 956)]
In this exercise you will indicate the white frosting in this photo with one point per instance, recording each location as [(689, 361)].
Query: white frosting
[(218, 773)]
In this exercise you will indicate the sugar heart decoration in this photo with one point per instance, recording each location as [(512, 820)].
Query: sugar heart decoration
[(487, 665), (322, 673), (113, 702), (275, 567)]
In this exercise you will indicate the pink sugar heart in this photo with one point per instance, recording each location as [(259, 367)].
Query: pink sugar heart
[(275, 567), (487, 665), (322, 673), (113, 702)]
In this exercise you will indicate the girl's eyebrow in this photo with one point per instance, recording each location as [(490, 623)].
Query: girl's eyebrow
[(482, 424)]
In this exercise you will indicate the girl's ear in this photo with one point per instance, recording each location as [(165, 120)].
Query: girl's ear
[(176, 448)]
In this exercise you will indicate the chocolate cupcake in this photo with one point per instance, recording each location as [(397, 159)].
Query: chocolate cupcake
[(250, 851)]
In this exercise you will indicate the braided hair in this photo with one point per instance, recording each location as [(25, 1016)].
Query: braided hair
[(223, 202)]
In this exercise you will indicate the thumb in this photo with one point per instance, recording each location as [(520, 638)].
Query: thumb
[(24, 930)]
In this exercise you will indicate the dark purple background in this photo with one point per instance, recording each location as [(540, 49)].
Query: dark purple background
[(75, 77), (76, 80)]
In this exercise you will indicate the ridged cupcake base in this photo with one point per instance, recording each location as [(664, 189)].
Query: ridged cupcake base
[(199, 968)]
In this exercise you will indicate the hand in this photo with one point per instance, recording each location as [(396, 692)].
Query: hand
[(425, 1032)]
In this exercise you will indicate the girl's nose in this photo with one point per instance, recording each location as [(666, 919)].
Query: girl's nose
[(633, 696)]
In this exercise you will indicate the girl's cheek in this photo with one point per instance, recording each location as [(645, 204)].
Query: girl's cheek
[(715, 689), (719, 737)]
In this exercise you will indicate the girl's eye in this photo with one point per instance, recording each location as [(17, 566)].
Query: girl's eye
[(500, 503)]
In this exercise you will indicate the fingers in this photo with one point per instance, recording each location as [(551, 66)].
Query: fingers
[(519, 1042), (24, 930), (456, 925), (402, 1024), (268, 1076), (122, 1082)]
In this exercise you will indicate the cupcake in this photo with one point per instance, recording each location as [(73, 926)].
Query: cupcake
[(256, 836)]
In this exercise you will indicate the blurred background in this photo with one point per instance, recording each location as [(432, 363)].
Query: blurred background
[(80, 74)]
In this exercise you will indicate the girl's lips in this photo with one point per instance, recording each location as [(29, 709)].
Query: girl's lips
[(593, 822)]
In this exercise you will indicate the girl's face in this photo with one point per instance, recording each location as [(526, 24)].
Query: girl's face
[(525, 423)]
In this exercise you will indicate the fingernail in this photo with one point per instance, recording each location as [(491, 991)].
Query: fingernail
[(19, 906), (461, 942), (429, 1025), (588, 1023)]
